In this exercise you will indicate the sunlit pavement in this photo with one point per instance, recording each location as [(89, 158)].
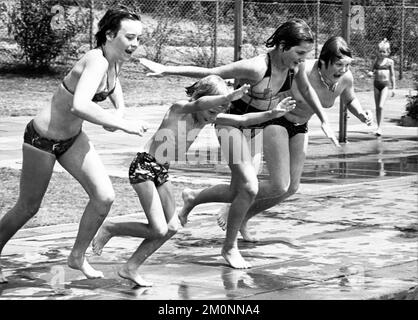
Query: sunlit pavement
[(350, 232)]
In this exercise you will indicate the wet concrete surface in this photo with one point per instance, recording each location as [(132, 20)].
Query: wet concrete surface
[(347, 244), (351, 231)]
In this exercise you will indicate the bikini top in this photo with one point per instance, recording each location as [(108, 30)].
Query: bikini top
[(385, 66), (100, 96), (267, 94)]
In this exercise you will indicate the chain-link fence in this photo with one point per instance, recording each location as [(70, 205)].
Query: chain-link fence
[(202, 32)]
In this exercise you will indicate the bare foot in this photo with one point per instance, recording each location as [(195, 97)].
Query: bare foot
[(2, 278), (222, 217), (234, 259), (222, 223), (246, 234), (84, 267), (134, 276), (188, 196), (100, 240)]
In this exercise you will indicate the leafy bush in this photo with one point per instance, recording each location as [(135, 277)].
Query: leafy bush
[(30, 24)]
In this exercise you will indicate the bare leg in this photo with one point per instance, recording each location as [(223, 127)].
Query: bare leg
[(297, 150), (159, 207), (222, 216), (83, 163), (192, 198), (220, 192), (243, 186), (149, 246), (36, 173), (380, 98)]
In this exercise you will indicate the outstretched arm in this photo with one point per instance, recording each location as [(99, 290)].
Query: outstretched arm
[(210, 102), (353, 104), (243, 69), (254, 118), (312, 99)]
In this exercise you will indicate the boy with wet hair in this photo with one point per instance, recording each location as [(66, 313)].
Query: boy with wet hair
[(148, 172)]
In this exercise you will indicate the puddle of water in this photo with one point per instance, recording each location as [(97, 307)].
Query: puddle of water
[(399, 166), (374, 162)]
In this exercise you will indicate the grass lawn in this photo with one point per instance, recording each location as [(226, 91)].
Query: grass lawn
[(24, 94), (65, 199)]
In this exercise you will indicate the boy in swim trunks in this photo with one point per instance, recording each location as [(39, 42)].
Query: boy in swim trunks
[(148, 172)]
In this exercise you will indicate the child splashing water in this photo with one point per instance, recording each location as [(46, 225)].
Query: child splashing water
[(148, 172)]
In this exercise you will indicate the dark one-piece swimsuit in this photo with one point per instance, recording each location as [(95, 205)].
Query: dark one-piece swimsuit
[(241, 107)]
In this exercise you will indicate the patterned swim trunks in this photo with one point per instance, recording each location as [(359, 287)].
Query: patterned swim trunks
[(144, 167)]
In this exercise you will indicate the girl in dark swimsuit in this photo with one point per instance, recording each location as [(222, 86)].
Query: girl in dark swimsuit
[(56, 134), (290, 44)]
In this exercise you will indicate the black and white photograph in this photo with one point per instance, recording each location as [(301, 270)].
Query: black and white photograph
[(208, 157)]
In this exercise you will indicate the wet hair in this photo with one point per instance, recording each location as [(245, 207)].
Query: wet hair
[(334, 48), (290, 34), (207, 86), (111, 22), (384, 45)]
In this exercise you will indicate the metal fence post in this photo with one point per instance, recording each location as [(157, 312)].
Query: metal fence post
[(342, 134), (402, 41), (91, 25), (318, 4), (215, 40), (238, 13)]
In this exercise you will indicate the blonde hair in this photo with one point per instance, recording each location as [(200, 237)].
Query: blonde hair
[(384, 45), (207, 86)]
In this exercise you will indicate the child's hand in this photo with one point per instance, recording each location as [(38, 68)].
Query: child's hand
[(330, 134), (133, 127), (367, 117), (286, 105), (238, 93), (156, 69)]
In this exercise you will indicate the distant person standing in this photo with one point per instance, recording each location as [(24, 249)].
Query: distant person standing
[(384, 75)]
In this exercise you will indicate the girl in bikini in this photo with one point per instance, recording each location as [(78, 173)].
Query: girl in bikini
[(270, 77), (56, 134), (384, 75)]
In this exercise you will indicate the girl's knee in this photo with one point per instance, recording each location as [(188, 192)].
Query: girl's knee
[(28, 208), (250, 189), (173, 227), (277, 189), (104, 198), (159, 231)]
